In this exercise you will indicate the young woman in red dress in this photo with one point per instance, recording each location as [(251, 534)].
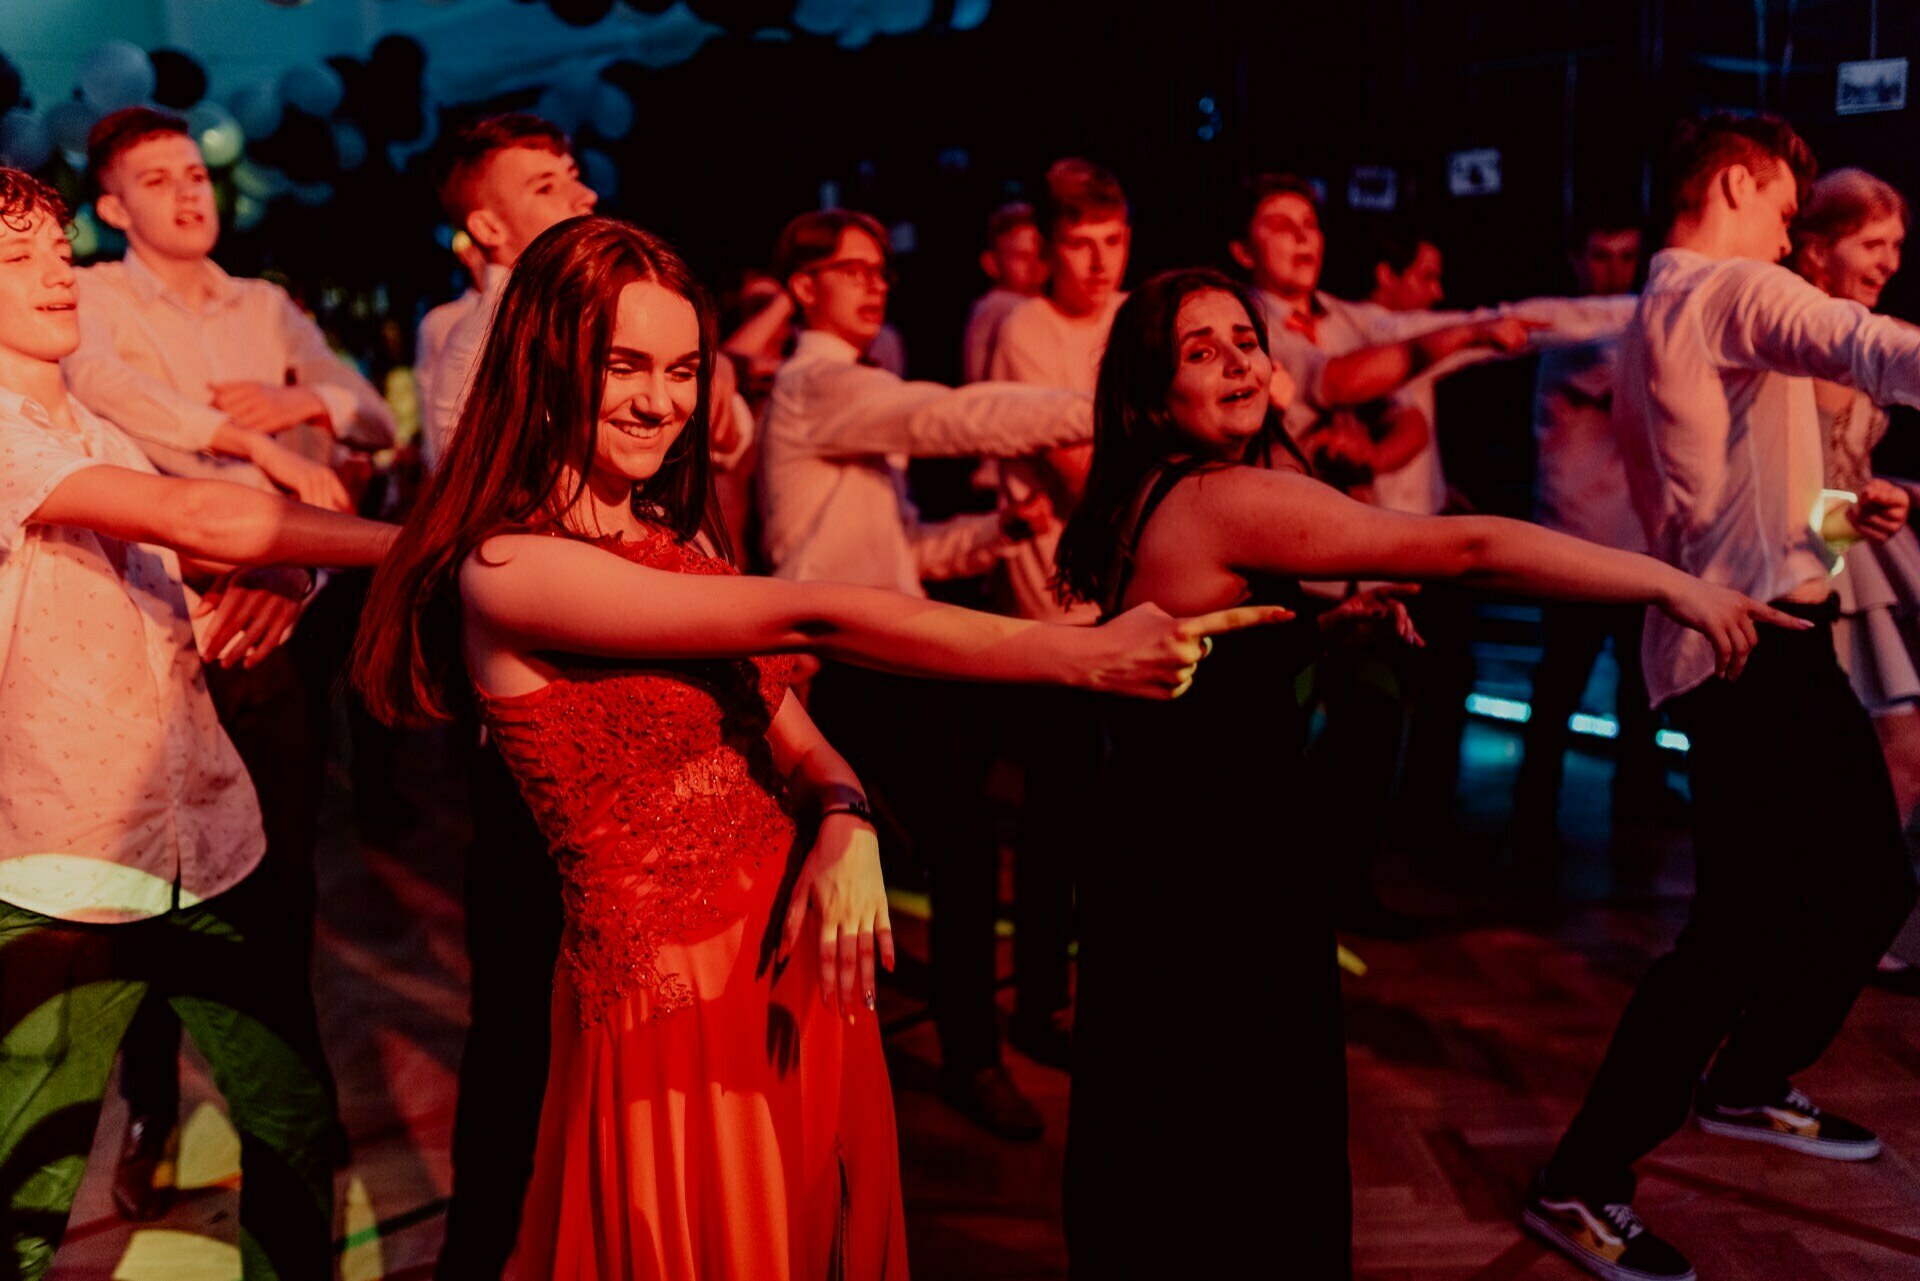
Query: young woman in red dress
[(717, 1104)]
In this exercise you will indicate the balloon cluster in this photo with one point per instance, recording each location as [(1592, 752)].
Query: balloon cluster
[(851, 23), (294, 134)]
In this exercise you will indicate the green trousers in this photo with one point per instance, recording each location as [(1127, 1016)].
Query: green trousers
[(228, 969)]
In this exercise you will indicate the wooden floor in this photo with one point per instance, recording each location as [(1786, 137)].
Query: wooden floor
[(1468, 1048)]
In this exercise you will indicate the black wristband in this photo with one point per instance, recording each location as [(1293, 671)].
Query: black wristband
[(856, 807)]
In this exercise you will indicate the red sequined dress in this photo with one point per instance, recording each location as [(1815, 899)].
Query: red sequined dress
[(705, 1115)]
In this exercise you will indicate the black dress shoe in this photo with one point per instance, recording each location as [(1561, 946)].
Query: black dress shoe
[(143, 1178), (1044, 1040), (989, 1098)]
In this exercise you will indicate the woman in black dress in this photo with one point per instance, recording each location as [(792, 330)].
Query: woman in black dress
[(1207, 1134)]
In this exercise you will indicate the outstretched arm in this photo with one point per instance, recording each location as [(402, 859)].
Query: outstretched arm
[(526, 593), (1279, 523), (211, 519)]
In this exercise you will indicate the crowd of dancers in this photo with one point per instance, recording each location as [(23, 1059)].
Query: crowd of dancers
[(1205, 498)]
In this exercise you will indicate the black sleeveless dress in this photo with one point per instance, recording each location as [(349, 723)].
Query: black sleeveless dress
[(1207, 1128)]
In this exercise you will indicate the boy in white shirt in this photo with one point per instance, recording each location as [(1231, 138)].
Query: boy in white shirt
[(130, 839), (1013, 260), (1801, 872), (836, 437)]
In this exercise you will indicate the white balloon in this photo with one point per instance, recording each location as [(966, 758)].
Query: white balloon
[(24, 140), (115, 75), (217, 132)]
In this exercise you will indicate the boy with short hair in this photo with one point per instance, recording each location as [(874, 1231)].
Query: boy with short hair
[(1801, 872), (1014, 261), (130, 839)]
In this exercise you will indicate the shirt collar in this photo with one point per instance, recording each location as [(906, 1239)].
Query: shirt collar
[(818, 344), (224, 288), (15, 404), (493, 278)]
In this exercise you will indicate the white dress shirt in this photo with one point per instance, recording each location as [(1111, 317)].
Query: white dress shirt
[(429, 349), (1715, 416), (1042, 346), (450, 375), (988, 313), (1580, 482), (1419, 485), (148, 358), (835, 441), (116, 780)]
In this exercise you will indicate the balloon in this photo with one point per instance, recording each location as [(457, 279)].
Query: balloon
[(673, 37), (262, 182), (217, 132), (9, 85), (580, 13), (313, 193), (398, 55), (610, 111), (115, 75), (257, 107), (248, 211), (304, 147), (350, 145), (24, 140), (84, 235), (598, 172), (178, 81), (968, 14), (564, 105), (315, 88), (68, 123)]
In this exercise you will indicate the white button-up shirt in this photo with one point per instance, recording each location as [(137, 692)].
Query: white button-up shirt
[(1717, 423), (833, 471), (1419, 485), (117, 783), (1580, 482), (429, 347), (988, 313), (449, 374), (1042, 346), (148, 359)]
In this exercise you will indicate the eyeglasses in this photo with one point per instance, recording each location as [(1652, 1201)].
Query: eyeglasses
[(871, 274)]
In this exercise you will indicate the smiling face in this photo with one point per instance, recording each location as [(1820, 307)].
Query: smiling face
[(652, 385), (38, 323), (520, 193), (1284, 247), (1088, 261), (1219, 395), (159, 193), (1858, 266)]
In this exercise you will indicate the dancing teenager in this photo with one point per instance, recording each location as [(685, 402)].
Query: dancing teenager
[(1847, 240), (1799, 882), (717, 1103), (1185, 1078), (131, 843)]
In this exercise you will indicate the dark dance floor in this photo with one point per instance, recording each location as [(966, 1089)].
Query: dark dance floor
[(1469, 1048)]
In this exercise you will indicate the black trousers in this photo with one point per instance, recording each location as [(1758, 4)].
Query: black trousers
[(923, 750), (1573, 634), (1058, 746), (267, 712), (1801, 880), (513, 924)]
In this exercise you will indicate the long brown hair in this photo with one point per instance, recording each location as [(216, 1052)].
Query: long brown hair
[(1841, 203), (533, 411)]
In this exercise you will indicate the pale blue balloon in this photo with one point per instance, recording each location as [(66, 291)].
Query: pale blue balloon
[(24, 140), (116, 74), (611, 111), (68, 123), (218, 133), (598, 172), (350, 145), (257, 107), (968, 14), (315, 88)]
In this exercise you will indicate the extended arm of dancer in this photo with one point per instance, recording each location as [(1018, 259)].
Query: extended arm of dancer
[(840, 881), (528, 593), (211, 519), (1376, 371), (1280, 523)]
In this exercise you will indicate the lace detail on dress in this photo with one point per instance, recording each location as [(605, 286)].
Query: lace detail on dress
[(657, 793), (1850, 436)]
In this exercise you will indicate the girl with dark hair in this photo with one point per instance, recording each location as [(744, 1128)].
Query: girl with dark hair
[(717, 1104), (1847, 240), (1189, 1085)]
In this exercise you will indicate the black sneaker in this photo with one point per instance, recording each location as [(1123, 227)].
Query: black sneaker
[(1607, 1240), (1792, 1121)]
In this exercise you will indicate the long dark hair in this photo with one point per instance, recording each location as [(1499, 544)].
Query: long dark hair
[(1133, 435), (533, 411)]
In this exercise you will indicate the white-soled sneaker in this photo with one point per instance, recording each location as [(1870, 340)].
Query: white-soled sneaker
[(1791, 1121), (1607, 1240)]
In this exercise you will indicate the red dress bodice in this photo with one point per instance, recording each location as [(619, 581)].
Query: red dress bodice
[(655, 788)]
